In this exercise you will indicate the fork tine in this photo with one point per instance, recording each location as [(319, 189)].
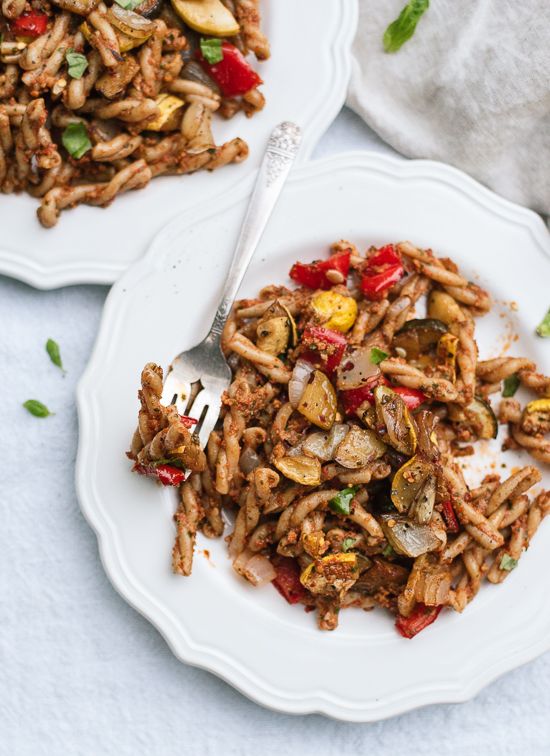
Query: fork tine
[(208, 424), (176, 387)]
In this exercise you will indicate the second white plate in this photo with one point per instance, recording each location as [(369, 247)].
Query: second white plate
[(269, 650), (305, 81)]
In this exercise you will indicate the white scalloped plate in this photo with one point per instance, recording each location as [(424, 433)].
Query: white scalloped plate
[(271, 651), (94, 245)]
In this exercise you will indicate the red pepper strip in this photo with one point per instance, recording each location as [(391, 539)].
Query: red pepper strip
[(189, 422), (353, 398), (386, 255), (314, 275), (233, 74), (421, 617), (413, 398), (326, 347), (382, 271), (287, 581), (32, 24), (451, 520), (165, 474)]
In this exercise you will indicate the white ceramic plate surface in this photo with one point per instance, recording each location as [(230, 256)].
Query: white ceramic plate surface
[(269, 650), (305, 81)]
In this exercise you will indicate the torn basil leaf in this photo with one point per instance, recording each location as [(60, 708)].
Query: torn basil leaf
[(404, 25), (36, 408)]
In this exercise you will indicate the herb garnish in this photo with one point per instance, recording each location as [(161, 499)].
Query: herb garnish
[(404, 25)]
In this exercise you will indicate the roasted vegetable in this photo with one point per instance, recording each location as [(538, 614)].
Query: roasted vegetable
[(207, 17), (113, 82), (287, 580), (149, 8), (318, 402), (408, 482), (392, 413), (334, 310), (419, 337), (382, 575), (478, 416), (356, 369), (131, 29), (301, 469), (132, 24), (421, 617), (407, 537), (536, 417), (169, 113), (323, 347), (331, 574), (441, 306), (432, 581), (383, 269), (276, 330), (322, 274), (447, 349), (359, 447), (233, 73), (324, 445)]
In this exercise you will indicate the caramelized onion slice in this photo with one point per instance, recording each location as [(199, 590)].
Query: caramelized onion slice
[(359, 447), (409, 538)]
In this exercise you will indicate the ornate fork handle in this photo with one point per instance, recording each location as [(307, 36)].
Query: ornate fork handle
[(281, 150)]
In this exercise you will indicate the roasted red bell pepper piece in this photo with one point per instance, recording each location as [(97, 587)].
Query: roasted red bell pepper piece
[(353, 398), (32, 24), (287, 581), (449, 515), (413, 398), (168, 475), (314, 275), (324, 347), (234, 75), (189, 422), (382, 271), (421, 617)]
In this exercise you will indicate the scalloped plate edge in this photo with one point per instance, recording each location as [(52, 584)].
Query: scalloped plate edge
[(213, 660)]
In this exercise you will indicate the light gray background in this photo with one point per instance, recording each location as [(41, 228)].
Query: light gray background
[(81, 673)]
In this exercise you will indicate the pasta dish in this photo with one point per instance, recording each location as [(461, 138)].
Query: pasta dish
[(339, 451), (97, 98)]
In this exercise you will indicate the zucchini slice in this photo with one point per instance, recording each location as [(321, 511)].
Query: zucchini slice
[(419, 336), (481, 418)]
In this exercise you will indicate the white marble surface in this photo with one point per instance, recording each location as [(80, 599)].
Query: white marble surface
[(81, 673)]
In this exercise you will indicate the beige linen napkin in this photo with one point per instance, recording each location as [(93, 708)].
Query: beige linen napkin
[(470, 88)]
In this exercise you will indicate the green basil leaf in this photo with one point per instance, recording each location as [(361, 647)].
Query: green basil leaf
[(404, 25), (388, 551), (511, 385), (377, 355), (348, 543), (36, 408), (52, 348), (508, 563), (341, 502), (544, 328), (129, 4), (76, 140), (211, 50), (77, 63)]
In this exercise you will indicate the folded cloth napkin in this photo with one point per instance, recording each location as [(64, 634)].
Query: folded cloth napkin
[(470, 88)]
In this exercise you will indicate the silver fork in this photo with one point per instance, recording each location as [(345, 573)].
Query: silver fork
[(197, 378)]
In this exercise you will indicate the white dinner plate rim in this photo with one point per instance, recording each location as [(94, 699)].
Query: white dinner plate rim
[(47, 276), (218, 661)]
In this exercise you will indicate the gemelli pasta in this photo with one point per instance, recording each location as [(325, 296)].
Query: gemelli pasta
[(337, 455), (97, 98)]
